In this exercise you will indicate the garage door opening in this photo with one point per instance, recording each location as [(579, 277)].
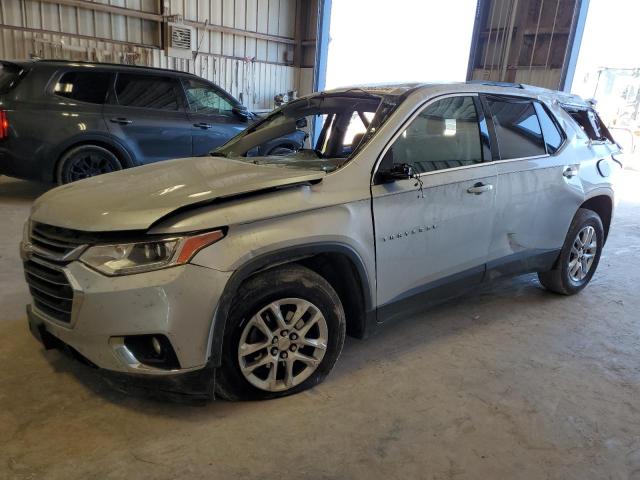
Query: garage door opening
[(411, 40)]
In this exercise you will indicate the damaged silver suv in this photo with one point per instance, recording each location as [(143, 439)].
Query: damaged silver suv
[(238, 275)]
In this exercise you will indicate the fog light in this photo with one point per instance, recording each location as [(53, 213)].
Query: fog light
[(153, 350), (155, 343)]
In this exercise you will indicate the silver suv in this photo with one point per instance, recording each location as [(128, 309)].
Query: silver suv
[(239, 275)]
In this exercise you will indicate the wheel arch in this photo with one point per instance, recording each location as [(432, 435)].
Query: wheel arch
[(603, 206), (339, 264)]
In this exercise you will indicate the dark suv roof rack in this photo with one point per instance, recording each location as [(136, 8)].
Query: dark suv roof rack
[(496, 84), (108, 64)]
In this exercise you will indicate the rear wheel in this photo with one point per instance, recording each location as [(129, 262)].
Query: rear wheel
[(86, 161), (579, 256), (283, 336)]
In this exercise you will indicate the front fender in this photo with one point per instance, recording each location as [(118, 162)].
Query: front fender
[(270, 260)]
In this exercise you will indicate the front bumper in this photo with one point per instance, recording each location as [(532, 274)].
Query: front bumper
[(179, 386), (178, 302)]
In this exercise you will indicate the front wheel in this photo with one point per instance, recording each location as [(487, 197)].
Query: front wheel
[(579, 256), (283, 335)]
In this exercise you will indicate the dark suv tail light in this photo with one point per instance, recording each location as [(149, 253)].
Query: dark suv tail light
[(4, 125)]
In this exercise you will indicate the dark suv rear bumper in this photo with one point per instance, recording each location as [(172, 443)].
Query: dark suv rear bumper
[(13, 165)]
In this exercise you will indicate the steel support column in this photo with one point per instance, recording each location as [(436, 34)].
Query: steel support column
[(573, 50)]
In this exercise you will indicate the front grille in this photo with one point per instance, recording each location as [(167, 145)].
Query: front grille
[(54, 242), (52, 249), (52, 294)]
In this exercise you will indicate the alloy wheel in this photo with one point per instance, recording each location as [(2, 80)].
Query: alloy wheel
[(89, 164), (283, 344), (583, 252)]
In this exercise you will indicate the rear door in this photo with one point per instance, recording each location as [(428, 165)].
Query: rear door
[(147, 113), (538, 193), (211, 115), (434, 230)]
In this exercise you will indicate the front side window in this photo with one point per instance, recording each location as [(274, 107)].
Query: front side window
[(203, 98), (90, 87), (444, 135), (147, 91), (517, 128)]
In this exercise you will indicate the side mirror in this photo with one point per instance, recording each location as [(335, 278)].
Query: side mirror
[(242, 112), (301, 122), (390, 172)]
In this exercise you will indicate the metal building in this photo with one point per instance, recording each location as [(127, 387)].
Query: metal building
[(527, 41), (254, 49)]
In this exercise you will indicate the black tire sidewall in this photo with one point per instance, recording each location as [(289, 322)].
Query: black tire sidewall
[(287, 282), (62, 172), (582, 219)]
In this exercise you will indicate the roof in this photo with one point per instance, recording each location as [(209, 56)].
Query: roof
[(480, 86), (66, 63), (379, 89)]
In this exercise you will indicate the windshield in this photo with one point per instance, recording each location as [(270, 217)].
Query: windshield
[(330, 128)]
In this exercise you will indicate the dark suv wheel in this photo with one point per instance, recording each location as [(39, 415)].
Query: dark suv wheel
[(579, 256), (283, 335), (86, 161)]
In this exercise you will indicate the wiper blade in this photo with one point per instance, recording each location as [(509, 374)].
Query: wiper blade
[(218, 154)]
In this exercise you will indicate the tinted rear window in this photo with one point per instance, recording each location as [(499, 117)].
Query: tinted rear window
[(517, 128), (9, 74), (90, 87), (589, 122), (147, 91)]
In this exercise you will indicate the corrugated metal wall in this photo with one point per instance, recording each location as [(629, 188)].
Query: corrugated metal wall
[(523, 41), (253, 69)]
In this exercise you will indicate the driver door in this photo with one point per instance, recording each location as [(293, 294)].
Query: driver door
[(433, 231)]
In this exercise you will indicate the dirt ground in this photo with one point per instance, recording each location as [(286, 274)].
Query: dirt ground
[(509, 382)]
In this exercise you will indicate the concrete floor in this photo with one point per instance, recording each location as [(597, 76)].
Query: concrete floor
[(511, 382)]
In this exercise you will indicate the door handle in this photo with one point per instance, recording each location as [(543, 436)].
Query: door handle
[(479, 188), (569, 172), (203, 125), (121, 121)]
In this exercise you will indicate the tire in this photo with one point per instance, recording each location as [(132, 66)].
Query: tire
[(282, 150), (255, 300), (564, 278), (86, 161)]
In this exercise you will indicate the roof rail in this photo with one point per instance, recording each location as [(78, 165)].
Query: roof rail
[(496, 84), (108, 64)]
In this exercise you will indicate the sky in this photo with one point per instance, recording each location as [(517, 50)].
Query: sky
[(611, 34), (377, 41), (610, 39)]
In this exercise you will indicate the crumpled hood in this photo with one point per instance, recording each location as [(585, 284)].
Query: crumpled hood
[(136, 198)]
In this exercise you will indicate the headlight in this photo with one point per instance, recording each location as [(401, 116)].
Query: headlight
[(127, 258)]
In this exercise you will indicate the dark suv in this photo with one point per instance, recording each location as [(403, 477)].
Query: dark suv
[(63, 121)]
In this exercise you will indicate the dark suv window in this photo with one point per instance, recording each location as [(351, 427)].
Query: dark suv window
[(552, 136), (203, 98), (147, 91), (444, 135), (517, 128), (9, 74), (90, 87)]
